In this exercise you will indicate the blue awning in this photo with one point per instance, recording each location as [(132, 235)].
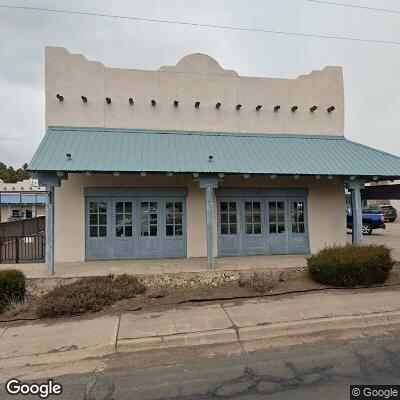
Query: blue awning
[(16, 198), (107, 150)]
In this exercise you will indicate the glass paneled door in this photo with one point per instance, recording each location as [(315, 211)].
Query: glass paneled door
[(277, 231), (262, 224), (124, 228), (149, 234), (298, 232), (253, 233), (175, 227), (98, 228), (228, 228)]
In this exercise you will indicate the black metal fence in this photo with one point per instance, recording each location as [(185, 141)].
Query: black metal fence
[(22, 249)]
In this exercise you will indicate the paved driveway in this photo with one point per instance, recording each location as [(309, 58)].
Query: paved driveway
[(389, 236)]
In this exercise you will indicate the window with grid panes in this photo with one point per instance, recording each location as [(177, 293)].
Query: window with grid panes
[(298, 217), (123, 219), (228, 218), (97, 219), (148, 214), (173, 218), (276, 210), (252, 215)]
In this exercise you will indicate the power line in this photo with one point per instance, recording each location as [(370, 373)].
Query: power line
[(185, 23), (334, 3)]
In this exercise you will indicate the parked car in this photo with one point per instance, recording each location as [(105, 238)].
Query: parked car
[(389, 212), (370, 221)]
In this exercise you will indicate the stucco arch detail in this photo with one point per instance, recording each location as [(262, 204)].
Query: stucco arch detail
[(199, 63)]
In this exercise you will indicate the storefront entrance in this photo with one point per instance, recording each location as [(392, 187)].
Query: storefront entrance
[(262, 221), (147, 223)]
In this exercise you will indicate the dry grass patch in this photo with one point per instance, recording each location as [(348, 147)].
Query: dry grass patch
[(259, 279), (17, 307), (89, 295)]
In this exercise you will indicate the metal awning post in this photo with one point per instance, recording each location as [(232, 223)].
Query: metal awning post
[(356, 210), (50, 179), (209, 184), (50, 230)]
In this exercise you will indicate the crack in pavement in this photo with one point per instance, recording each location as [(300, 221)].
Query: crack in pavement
[(100, 389), (251, 383), (3, 332), (235, 327)]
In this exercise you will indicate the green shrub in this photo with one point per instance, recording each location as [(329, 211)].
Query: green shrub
[(12, 287), (351, 265), (89, 294)]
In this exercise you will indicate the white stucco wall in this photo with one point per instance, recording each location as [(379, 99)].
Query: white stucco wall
[(196, 77), (5, 210), (23, 187), (326, 205)]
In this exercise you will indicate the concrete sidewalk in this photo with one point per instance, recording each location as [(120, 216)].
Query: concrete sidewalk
[(272, 318), (182, 266), (278, 320)]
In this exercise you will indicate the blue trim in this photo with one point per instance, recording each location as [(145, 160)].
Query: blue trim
[(186, 133), (261, 192), (135, 192)]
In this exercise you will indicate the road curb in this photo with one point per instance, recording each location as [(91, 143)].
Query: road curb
[(64, 356), (365, 324), (350, 325), (177, 340)]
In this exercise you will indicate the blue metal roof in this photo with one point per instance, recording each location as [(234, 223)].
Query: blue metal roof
[(15, 198), (107, 150)]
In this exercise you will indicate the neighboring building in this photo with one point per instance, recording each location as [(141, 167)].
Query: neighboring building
[(395, 202), (193, 160), (21, 200)]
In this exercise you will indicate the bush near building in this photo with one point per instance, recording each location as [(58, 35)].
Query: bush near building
[(351, 265), (258, 279), (89, 294), (12, 287)]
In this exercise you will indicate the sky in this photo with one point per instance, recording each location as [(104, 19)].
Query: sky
[(371, 71)]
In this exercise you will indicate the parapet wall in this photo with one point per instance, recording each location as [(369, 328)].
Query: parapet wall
[(195, 78)]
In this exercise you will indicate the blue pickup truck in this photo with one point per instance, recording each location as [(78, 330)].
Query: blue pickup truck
[(370, 221)]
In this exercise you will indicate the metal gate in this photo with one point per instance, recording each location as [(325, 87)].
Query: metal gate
[(22, 249), (135, 223), (262, 221)]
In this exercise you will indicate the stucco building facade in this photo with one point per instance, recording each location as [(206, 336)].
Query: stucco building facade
[(194, 160), (21, 200)]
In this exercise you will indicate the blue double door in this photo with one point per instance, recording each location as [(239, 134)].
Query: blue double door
[(262, 225), (132, 227)]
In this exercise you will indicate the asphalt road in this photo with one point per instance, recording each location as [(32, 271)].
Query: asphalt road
[(389, 236), (314, 371)]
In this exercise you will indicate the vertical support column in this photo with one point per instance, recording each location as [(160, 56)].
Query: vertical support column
[(356, 210), (209, 183), (209, 224), (50, 231), (50, 180)]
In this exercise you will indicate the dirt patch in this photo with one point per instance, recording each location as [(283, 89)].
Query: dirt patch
[(173, 295)]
